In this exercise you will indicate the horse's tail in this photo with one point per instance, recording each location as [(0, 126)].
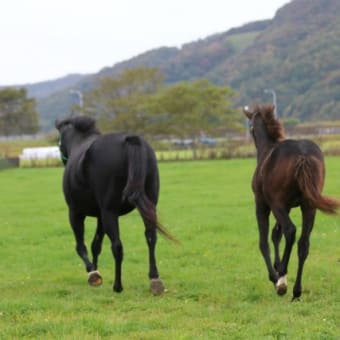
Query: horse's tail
[(310, 176), (134, 190)]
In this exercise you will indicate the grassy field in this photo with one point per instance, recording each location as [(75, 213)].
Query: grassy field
[(216, 281)]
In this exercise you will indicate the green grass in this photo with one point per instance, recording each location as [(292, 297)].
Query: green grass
[(216, 280)]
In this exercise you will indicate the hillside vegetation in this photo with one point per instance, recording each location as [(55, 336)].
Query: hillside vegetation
[(295, 53)]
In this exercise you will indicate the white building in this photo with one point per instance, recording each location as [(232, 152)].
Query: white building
[(46, 152)]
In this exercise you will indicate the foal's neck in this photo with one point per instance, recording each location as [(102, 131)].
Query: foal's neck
[(264, 145)]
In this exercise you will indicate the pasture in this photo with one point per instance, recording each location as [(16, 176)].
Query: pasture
[(216, 281)]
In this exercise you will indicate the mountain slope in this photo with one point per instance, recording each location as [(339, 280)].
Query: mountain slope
[(194, 60), (296, 54)]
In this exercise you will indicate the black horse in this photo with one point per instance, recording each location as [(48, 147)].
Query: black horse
[(107, 176), (289, 173)]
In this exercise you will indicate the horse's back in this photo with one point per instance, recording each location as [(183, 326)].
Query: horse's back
[(108, 157), (293, 148), (97, 177)]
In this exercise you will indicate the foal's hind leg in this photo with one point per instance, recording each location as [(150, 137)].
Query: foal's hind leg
[(276, 238), (289, 230), (308, 216), (77, 223), (95, 279)]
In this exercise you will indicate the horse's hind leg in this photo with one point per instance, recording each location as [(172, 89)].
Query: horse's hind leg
[(289, 230), (77, 223), (308, 216), (276, 238), (156, 283), (152, 191), (96, 245), (111, 228), (95, 279)]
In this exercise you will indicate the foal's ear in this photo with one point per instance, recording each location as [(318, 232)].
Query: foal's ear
[(247, 112), (83, 123)]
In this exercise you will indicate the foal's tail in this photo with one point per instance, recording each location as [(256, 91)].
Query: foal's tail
[(134, 190), (310, 176)]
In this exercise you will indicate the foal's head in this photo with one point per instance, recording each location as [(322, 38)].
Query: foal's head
[(72, 131), (262, 118)]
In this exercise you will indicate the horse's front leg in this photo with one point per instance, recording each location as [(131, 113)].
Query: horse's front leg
[(95, 279), (262, 215), (111, 228), (77, 224), (156, 284)]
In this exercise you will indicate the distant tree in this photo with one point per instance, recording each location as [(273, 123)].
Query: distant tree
[(119, 102), (187, 108), (138, 101), (18, 113)]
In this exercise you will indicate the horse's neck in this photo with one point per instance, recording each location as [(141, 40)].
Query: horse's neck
[(82, 143), (263, 146)]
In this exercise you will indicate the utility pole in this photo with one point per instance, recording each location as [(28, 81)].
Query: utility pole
[(79, 94), (273, 93)]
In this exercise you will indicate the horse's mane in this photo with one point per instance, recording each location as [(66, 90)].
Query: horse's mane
[(274, 127)]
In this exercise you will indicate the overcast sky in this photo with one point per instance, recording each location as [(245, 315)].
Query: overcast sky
[(48, 39)]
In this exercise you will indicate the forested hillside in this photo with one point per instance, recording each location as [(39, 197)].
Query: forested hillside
[(296, 53)]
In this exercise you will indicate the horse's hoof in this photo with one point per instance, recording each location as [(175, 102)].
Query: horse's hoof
[(117, 289), (281, 285), (156, 286), (95, 279)]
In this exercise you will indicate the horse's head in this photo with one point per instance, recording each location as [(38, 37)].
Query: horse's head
[(73, 131), (262, 117)]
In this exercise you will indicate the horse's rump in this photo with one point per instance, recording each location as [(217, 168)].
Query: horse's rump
[(134, 191), (309, 174)]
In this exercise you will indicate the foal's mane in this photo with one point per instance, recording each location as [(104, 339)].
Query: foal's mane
[(273, 125)]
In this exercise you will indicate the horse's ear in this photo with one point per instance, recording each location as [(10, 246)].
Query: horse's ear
[(60, 123), (83, 123), (247, 112)]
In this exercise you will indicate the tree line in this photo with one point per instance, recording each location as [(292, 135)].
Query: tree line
[(18, 113), (138, 100)]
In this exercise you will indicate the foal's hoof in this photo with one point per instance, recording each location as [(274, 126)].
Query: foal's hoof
[(281, 285), (156, 286), (95, 278)]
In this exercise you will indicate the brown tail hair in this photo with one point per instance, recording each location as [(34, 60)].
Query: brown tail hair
[(310, 176)]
